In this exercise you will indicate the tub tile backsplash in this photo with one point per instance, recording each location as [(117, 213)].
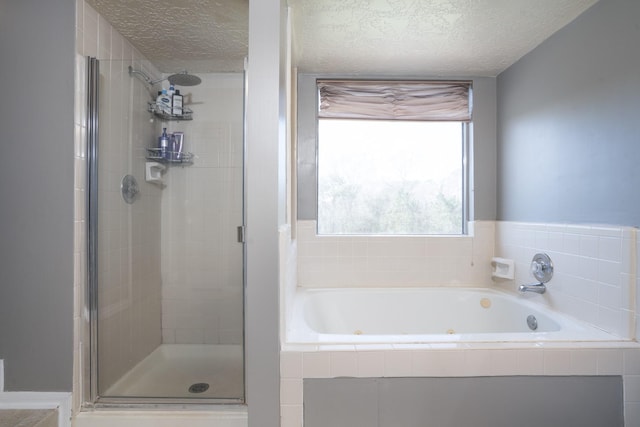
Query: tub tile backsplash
[(350, 261), (594, 270)]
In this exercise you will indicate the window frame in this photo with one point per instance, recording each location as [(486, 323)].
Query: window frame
[(466, 129)]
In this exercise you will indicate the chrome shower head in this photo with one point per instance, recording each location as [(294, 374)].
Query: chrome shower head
[(184, 79), (179, 79)]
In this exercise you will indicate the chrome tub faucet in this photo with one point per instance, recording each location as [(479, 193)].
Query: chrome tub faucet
[(538, 288)]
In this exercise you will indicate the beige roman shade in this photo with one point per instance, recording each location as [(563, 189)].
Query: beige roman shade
[(395, 100)]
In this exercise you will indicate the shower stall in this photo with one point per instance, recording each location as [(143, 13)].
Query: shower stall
[(165, 293)]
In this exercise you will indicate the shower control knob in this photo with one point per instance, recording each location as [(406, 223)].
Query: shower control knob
[(542, 267), (129, 188)]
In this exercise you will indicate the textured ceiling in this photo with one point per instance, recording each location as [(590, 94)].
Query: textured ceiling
[(426, 37), (435, 37), (196, 35)]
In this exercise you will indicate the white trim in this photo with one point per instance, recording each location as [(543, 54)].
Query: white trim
[(1, 375), (39, 400), (224, 418)]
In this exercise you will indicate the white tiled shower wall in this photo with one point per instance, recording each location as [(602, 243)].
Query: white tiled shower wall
[(201, 210), (128, 314)]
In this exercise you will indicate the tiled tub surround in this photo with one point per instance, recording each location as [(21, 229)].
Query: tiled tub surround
[(595, 269)]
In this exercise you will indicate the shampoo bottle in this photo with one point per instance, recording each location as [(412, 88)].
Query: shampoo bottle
[(176, 104)]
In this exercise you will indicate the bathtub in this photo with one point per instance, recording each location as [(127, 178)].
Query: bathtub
[(427, 315)]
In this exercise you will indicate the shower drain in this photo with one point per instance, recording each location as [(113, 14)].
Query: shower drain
[(198, 388)]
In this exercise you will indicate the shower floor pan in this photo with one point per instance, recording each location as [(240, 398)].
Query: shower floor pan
[(171, 370)]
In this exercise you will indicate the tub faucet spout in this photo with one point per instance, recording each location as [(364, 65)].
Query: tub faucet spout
[(538, 288)]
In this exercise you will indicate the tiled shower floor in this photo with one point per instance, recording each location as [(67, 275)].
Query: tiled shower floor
[(171, 369)]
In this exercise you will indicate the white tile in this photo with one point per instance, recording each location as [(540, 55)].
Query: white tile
[(609, 272), (541, 240), (610, 248), (609, 296), (478, 362), (189, 336), (589, 246), (344, 364), (104, 39), (610, 320), (423, 363), (557, 362), (530, 362), (504, 362), (397, 363), (448, 363), (291, 391), (610, 362), (571, 243), (607, 231), (584, 362), (291, 365), (168, 336), (555, 241), (291, 415), (316, 365), (370, 363), (631, 362)]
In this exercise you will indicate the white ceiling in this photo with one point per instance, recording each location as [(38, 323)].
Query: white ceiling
[(176, 35), (406, 37)]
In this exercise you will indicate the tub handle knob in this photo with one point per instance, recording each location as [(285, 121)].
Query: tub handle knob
[(542, 267)]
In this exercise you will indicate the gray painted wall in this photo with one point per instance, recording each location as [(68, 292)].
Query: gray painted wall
[(569, 145), (585, 401), (37, 39), (483, 147)]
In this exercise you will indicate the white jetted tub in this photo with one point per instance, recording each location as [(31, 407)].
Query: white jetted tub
[(427, 315)]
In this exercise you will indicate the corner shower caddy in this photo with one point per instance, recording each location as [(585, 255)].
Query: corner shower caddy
[(183, 158), (171, 157), (186, 113)]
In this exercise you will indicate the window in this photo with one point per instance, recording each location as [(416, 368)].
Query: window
[(391, 157)]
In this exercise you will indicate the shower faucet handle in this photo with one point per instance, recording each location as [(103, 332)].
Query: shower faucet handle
[(542, 267)]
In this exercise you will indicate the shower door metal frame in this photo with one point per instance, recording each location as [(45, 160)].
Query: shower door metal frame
[(90, 335), (91, 398)]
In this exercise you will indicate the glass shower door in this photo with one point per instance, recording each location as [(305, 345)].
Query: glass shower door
[(168, 267)]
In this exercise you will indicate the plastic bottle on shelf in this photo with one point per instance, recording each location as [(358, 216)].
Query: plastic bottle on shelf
[(159, 101), (176, 104), (164, 102), (163, 144)]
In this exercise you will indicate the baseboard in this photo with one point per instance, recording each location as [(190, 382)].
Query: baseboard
[(39, 400)]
